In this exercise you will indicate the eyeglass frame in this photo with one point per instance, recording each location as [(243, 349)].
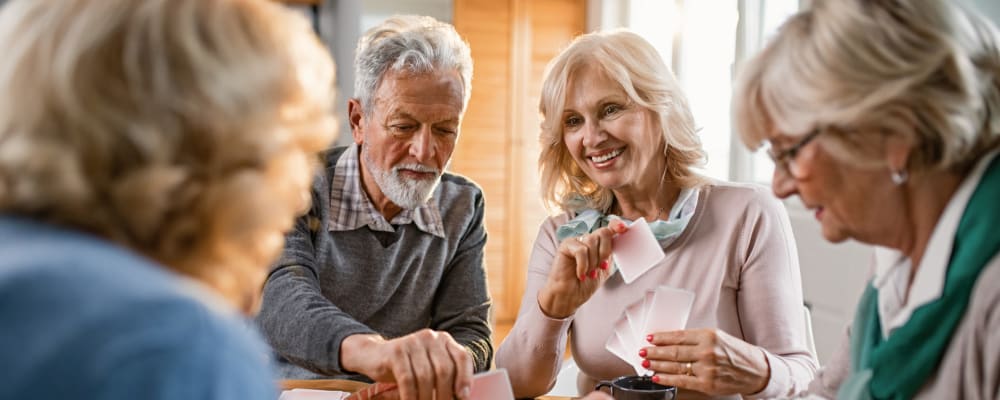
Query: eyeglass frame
[(783, 159)]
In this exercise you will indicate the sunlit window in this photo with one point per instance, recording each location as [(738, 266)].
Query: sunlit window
[(698, 40)]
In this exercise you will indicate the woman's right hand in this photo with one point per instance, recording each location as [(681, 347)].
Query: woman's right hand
[(579, 268)]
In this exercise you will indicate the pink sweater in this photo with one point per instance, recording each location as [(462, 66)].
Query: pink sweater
[(737, 254)]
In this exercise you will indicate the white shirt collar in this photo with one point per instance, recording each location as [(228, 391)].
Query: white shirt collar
[(892, 269)]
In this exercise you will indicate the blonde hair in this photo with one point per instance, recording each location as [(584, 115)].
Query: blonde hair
[(633, 63), (926, 69), (183, 129)]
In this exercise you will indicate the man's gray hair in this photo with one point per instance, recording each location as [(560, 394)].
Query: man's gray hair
[(410, 43)]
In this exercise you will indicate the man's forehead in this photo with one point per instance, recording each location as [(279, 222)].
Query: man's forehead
[(436, 85), (436, 95)]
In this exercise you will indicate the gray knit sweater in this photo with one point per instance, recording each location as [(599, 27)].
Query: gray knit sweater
[(328, 285)]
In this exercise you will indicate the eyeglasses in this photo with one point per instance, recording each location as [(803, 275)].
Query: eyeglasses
[(784, 160)]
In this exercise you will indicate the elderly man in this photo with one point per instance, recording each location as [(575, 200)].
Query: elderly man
[(384, 277)]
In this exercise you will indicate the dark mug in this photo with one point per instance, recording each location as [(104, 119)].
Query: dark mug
[(635, 387)]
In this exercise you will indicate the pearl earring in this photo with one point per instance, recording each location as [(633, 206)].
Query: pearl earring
[(900, 177)]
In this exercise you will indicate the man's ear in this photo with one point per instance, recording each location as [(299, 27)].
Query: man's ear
[(354, 116)]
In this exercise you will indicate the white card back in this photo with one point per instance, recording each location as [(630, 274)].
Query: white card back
[(669, 310), (492, 385), (636, 250)]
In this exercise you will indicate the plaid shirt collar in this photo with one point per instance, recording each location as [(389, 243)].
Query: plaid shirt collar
[(351, 209)]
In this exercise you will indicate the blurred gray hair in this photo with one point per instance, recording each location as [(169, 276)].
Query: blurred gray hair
[(927, 69), (410, 43)]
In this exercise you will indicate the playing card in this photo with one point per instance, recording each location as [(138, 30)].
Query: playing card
[(636, 251), (636, 315), (668, 311), (492, 385), (647, 302), (615, 346), (662, 309), (312, 394)]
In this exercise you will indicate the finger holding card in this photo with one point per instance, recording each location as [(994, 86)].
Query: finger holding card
[(579, 268), (707, 360)]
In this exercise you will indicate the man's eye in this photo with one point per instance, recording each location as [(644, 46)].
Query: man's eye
[(445, 131)]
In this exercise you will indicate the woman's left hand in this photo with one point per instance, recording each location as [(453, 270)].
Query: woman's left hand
[(706, 360)]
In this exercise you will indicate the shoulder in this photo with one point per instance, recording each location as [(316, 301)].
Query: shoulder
[(116, 309), (332, 155), (328, 159), (749, 200), (192, 349), (458, 185), (457, 196)]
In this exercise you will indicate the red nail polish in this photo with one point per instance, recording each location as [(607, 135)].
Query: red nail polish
[(642, 352), (593, 274), (656, 379), (582, 277), (645, 363), (604, 264), (649, 338)]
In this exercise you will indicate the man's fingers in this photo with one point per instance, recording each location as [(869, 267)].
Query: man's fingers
[(443, 367), (403, 372), (463, 370), (423, 370)]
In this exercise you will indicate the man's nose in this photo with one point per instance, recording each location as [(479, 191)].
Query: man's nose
[(422, 145)]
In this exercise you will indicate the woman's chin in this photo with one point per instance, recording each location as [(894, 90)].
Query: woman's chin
[(834, 235)]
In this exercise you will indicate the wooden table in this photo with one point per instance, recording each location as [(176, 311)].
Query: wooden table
[(352, 386)]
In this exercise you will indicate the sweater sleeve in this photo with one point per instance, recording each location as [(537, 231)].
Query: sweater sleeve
[(532, 352), (301, 324), (462, 301), (770, 301)]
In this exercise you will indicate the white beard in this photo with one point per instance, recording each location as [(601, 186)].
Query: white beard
[(406, 193)]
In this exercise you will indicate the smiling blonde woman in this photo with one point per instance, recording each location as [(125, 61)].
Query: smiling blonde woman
[(152, 154)]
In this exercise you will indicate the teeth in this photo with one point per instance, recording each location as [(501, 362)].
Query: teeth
[(606, 157)]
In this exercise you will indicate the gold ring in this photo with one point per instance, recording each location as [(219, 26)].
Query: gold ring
[(689, 370)]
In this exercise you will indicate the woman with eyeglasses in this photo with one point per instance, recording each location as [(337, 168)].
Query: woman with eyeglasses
[(619, 143), (884, 118)]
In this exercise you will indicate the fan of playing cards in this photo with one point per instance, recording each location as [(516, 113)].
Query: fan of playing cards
[(663, 309)]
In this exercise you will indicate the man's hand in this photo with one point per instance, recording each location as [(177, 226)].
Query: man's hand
[(420, 364)]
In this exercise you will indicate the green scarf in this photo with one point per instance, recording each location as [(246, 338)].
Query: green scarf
[(897, 367)]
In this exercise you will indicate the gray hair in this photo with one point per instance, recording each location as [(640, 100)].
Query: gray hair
[(925, 69), (411, 43)]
